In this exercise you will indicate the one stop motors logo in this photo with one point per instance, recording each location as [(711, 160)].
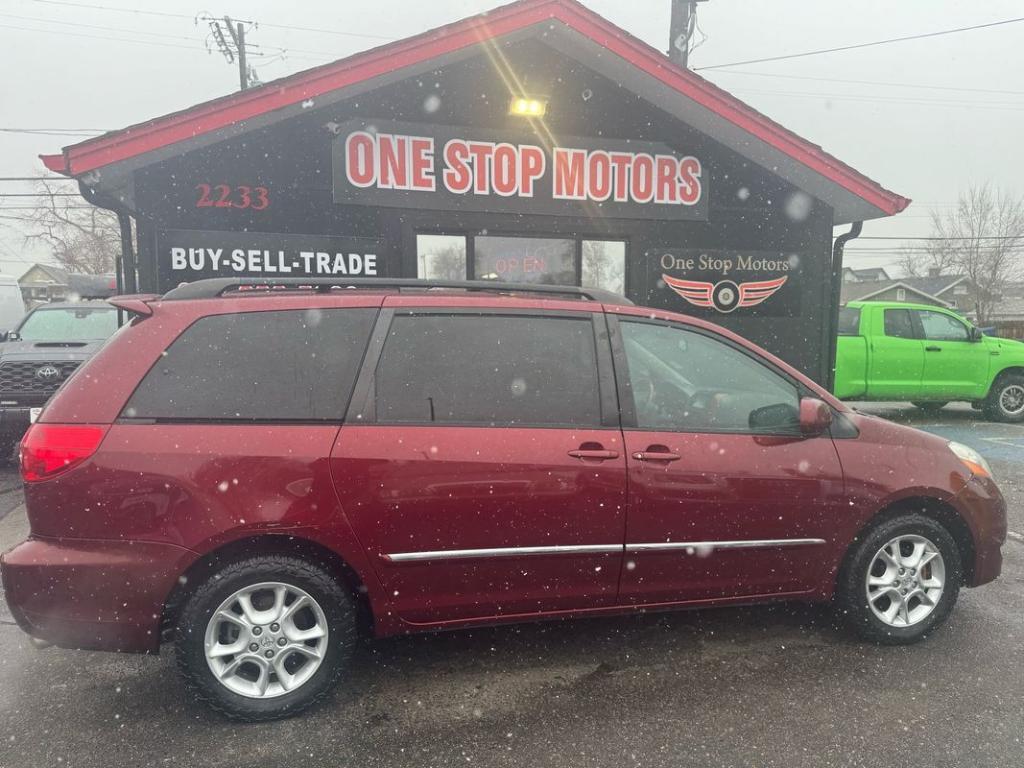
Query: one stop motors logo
[(726, 295), (724, 282)]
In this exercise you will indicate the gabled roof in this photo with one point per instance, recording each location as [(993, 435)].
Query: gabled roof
[(935, 286), (710, 107), (58, 275), (867, 290)]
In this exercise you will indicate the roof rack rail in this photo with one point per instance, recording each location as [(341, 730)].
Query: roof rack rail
[(216, 287)]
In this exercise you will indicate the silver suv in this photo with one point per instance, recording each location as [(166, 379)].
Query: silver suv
[(40, 354)]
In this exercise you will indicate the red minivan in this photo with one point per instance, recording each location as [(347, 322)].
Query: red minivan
[(259, 472)]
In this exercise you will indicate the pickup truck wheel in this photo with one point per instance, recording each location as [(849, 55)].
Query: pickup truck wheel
[(900, 581), (1005, 401), (930, 407), (266, 637)]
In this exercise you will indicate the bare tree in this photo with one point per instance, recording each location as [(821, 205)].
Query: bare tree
[(982, 239), (83, 238), (916, 262)]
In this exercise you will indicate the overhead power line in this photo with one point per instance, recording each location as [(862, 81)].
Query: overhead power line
[(166, 14), (35, 178), (39, 194), (921, 36), (982, 237), (883, 83), (56, 131)]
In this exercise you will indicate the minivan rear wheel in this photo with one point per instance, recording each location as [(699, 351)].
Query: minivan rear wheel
[(266, 637), (900, 581)]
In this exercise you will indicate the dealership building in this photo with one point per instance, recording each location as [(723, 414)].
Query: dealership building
[(536, 143)]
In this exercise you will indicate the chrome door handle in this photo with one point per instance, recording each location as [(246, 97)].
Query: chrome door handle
[(656, 456)]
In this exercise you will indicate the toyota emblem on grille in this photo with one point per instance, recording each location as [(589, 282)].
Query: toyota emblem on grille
[(47, 372)]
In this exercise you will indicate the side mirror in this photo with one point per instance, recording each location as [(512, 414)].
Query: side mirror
[(815, 416), (12, 336), (976, 334)]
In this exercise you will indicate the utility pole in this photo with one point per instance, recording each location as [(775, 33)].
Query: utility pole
[(681, 26), (238, 35), (228, 37)]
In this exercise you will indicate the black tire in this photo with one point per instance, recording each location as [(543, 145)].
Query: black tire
[(333, 598), (930, 407), (1004, 387), (851, 589)]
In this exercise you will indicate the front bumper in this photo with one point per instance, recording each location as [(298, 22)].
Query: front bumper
[(985, 510), (97, 595), (14, 421)]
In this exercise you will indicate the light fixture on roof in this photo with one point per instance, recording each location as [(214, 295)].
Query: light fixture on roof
[(524, 106)]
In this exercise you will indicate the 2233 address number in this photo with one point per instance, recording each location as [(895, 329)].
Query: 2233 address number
[(226, 196)]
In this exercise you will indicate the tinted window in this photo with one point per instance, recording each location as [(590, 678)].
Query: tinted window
[(474, 369), (77, 324), (689, 382), (269, 366), (849, 321), (942, 327), (898, 323)]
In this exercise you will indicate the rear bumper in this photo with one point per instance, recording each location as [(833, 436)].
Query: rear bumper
[(986, 514), (97, 595)]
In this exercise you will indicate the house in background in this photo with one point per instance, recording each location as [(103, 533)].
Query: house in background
[(869, 275), (1008, 313), (43, 283), (952, 291)]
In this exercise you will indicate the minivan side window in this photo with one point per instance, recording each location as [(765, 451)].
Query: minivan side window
[(294, 365), (489, 370), (939, 326), (899, 324), (685, 381)]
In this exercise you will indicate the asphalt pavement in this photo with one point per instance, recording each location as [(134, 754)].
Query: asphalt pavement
[(769, 686)]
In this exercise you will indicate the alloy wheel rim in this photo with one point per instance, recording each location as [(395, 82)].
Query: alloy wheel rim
[(1011, 399), (905, 581), (266, 640)]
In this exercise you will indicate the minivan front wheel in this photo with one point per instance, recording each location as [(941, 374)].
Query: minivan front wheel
[(901, 581), (266, 637)]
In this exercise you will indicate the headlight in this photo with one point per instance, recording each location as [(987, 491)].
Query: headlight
[(971, 459)]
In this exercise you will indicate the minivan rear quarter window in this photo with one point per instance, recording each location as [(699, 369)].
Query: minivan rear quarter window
[(489, 370), (297, 365)]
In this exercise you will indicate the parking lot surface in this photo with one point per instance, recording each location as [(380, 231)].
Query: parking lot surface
[(778, 686)]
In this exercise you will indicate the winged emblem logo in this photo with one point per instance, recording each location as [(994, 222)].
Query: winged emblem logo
[(725, 296)]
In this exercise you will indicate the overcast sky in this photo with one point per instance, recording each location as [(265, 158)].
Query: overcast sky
[(929, 118)]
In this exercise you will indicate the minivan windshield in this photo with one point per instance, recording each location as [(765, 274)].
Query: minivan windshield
[(69, 324)]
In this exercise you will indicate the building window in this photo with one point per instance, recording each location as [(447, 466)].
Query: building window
[(604, 265), (901, 294), (441, 257), (542, 260), (960, 289)]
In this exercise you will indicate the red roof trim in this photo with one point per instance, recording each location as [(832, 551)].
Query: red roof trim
[(213, 115), (55, 163)]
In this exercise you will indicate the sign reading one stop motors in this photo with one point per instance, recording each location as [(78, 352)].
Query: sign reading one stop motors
[(445, 168)]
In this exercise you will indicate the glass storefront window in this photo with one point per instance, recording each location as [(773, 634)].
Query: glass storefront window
[(441, 257), (548, 261), (604, 265)]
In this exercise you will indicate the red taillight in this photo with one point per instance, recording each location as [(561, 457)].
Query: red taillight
[(49, 449)]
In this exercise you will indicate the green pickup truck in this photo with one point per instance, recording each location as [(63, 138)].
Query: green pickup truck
[(929, 356)]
